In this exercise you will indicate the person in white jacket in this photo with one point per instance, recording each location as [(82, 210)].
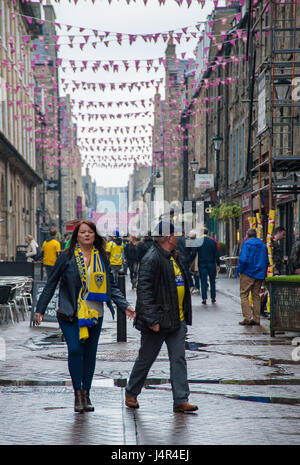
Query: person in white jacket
[(32, 248)]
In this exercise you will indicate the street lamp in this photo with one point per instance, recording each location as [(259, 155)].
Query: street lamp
[(194, 164), (282, 87), (217, 140)]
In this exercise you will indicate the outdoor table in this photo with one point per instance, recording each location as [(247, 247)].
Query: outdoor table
[(231, 265)]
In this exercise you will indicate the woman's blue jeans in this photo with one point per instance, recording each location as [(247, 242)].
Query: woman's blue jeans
[(81, 355)]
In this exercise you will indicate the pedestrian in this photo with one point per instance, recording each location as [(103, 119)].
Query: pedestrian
[(213, 236), (208, 265), (86, 282), (195, 277), (125, 264), (163, 311), (184, 254), (50, 248), (278, 234), (32, 248), (144, 246), (114, 250), (252, 267), (66, 240), (130, 254), (294, 260)]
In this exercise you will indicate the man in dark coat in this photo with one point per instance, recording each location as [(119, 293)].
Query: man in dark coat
[(208, 264), (279, 234), (294, 260), (184, 255), (143, 246), (163, 309)]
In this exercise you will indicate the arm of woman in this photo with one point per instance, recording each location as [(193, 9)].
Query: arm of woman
[(50, 287), (32, 251)]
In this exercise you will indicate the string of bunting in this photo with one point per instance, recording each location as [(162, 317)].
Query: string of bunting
[(106, 151)]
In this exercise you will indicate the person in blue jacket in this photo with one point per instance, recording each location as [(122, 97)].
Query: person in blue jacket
[(252, 267), (208, 264)]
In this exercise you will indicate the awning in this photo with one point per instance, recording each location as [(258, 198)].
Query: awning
[(70, 225)]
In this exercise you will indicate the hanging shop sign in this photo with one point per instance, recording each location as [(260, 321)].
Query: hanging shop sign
[(261, 116), (204, 181)]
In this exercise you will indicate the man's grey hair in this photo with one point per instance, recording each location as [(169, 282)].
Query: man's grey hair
[(251, 233), (192, 234)]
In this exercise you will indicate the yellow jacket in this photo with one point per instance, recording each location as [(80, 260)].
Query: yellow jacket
[(50, 248), (115, 251)]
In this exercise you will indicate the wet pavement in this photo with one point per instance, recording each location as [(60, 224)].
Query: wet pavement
[(245, 383)]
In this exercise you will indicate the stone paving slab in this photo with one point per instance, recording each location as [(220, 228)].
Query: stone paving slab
[(44, 416), (245, 384)]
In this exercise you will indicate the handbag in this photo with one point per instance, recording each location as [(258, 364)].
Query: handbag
[(194, 269)]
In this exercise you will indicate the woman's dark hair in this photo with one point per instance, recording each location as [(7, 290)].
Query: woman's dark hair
[(99, 240)]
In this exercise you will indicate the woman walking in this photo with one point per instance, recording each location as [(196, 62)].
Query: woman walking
[(32, 248), (86, 283)]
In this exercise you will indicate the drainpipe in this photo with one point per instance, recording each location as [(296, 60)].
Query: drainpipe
[(7, 213)]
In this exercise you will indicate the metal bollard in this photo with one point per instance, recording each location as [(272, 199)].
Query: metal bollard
[(121, 317)]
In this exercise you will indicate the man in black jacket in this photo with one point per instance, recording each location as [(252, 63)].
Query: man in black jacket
[(163, 309), (279, 233)]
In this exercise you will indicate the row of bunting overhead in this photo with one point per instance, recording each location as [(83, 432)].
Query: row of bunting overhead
[(161, 2), (108, 38)]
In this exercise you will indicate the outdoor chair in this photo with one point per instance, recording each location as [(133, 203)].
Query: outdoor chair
[(27, 291), (232, 266), (6, 303), (20, 300)]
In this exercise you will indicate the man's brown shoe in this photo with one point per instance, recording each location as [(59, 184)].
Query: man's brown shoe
[(185, 408), (245, 323), (131, 401)]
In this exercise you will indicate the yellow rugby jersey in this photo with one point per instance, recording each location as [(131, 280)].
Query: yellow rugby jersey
[(116, 253), (180, 287)]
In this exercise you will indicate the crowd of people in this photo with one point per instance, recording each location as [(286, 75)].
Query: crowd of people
[(200, 258), (165, 269)]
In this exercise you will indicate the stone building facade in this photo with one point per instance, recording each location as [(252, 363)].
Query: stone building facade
[(31, 148), (246, 94), (18, 176)]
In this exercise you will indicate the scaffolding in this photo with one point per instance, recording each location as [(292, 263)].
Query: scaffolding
[(274, 49)]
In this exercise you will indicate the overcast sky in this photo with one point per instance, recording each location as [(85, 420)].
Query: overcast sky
[(121, 17)]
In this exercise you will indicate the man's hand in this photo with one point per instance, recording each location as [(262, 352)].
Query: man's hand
[(155, 328), (38, 318), (130, 313)]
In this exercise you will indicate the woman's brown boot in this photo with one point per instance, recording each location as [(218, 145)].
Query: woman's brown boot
[(87, 404), (79, 401)]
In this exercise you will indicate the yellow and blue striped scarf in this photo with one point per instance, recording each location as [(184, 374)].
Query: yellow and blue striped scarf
[(97, 290)]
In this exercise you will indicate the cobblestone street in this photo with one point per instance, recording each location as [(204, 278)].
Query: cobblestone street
[(244, 382)]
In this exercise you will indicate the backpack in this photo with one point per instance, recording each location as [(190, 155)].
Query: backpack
[(38, 255)]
